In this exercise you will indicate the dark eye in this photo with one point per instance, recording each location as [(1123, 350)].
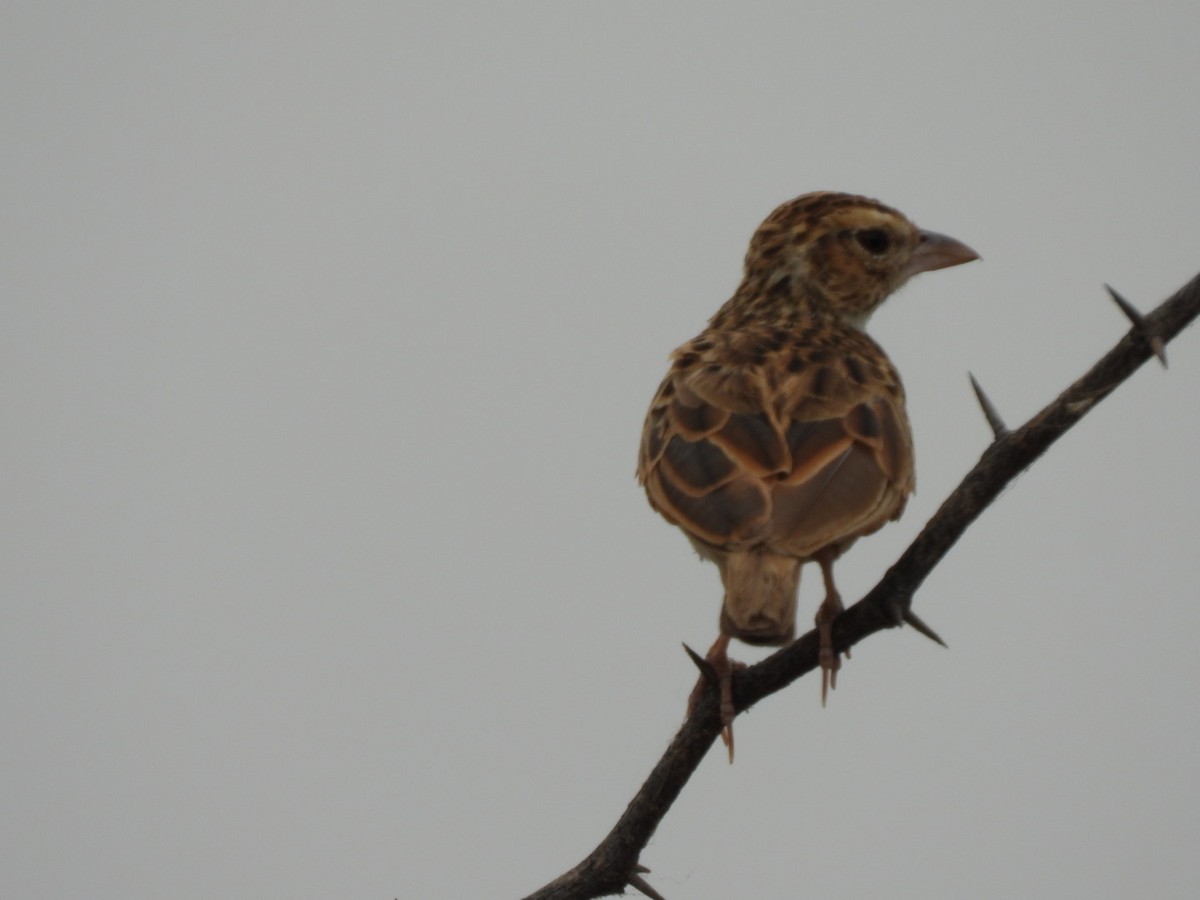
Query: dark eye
[(874, 240)]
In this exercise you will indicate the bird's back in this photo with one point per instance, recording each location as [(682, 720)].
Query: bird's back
[(788, 437)]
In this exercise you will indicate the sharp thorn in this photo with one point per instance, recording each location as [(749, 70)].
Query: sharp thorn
[(1131, 311), (999, 429), (637, 881), (706, 668), (1158, 348), (914, 621), (1138, 321)]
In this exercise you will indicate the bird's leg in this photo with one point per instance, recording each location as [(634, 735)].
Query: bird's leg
[(829, 610), (724, 668)]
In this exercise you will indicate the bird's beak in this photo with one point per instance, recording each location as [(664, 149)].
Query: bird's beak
[(937, 251)]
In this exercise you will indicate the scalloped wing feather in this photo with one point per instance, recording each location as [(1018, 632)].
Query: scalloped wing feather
[(793, 450)]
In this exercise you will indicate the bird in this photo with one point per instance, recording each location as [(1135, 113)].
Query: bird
[(779, 435)]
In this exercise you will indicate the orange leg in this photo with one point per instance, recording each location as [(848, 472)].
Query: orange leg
[(829, 610), (724, 667)]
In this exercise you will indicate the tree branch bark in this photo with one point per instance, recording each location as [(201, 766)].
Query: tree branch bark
[(613, 865)]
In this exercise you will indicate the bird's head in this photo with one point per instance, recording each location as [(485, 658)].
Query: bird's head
[(840, 254)]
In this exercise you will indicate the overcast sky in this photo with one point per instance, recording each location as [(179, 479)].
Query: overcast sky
[(327, 334)]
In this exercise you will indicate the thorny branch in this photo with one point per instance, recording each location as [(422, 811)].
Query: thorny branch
[(614, 865)]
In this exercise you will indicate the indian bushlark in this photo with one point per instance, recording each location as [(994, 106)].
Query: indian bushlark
[(779, 435)]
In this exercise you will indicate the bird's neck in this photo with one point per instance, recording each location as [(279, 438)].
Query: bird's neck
[(779, 299)]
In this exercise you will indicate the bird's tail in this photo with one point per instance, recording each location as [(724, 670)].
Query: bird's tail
[(760, 597)]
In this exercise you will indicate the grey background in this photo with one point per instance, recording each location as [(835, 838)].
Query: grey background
[(327, 335)]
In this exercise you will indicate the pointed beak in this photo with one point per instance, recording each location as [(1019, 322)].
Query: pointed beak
[(937, 251)]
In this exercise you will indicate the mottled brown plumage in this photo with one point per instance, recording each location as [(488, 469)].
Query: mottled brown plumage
[(779, 435)]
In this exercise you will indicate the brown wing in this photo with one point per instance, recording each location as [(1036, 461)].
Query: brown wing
[(793, 449)]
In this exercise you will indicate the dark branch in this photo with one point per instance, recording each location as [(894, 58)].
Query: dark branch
[(614, 863)]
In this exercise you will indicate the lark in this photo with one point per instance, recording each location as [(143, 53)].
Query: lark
[(779, 436)]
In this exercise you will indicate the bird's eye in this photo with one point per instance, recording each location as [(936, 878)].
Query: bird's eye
[(874, 240)]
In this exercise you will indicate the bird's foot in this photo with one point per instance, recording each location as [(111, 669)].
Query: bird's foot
[(829, 610), (720, 668), (830, 662)]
